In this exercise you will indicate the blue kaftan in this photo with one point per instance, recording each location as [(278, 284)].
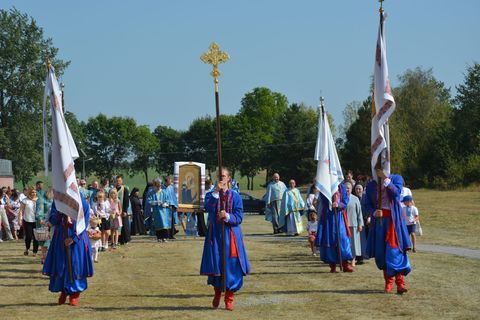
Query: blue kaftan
[(393, 259), (56, 266), (327, 231), (237, 265)]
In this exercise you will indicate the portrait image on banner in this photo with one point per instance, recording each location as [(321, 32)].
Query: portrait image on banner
[(189, 179)]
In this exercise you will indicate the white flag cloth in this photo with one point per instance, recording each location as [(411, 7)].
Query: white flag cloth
[(329, 172), (64, 182), (384, 105)]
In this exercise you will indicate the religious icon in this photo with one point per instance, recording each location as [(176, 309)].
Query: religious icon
[(189, 179)]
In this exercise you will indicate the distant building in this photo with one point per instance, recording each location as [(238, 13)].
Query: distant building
[(6, 173)]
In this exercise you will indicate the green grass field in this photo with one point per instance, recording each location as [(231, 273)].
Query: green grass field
[(149, 280)]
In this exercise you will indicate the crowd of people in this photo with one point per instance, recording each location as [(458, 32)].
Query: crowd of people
[(338, 228)]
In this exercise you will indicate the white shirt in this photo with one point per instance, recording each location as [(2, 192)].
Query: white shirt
[(411, 213), (29, 210), (102, 209)]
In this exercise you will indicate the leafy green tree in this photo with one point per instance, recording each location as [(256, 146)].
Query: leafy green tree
[(144, 145), (200, 142), (261, 113), (423, 113), (169, 148), (294, 144), (22, 74), (467, 123), (355, 152), (109, 142)]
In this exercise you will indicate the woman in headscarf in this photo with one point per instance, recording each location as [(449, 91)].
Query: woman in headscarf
[(137, 214)]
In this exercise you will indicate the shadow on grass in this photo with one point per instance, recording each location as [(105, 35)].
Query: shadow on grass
[(346, 291), (28, 304), (152, 308), (20, 271), (174, 296), (22, 278), (22, 285)]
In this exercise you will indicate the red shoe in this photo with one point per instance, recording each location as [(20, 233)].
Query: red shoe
[(229, 300), (74, 299), (63, 298), (400, 281), (333, 268), (388, 282), (216, 297), (347, 267)]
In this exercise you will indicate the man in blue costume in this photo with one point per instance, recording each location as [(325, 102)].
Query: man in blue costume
[(56, 264), (273, 200), (173, 206), (236, 261), (327, 232), (159, 202), (388, 240)]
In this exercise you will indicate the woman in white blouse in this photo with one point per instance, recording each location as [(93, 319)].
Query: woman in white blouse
[(27, 220)]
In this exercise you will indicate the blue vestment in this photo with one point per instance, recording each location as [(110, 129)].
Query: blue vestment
[(327, 233), (173, 202), (290, 218), (237, 265), (160, 214), (392, 259), (56, 266)]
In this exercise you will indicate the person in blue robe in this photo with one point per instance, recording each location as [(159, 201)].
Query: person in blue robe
[(327, 232), (273, 200), (173, 206), (388, 240), (291, 210), (56, 265), (159, 202), (236, 261)]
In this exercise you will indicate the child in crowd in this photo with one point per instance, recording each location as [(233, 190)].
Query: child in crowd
[(410, 212), (101, 209), (94, 234), (312, 231), (115, 217)]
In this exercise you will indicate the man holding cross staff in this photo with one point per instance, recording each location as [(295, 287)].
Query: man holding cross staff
[(224, 258)]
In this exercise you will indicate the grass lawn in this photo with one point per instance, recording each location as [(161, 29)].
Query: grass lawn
[(149, 280)]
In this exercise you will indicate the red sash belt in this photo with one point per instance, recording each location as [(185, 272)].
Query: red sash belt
[(391, 236)]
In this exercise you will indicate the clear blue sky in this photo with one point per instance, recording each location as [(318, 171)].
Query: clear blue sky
[(141, 58)]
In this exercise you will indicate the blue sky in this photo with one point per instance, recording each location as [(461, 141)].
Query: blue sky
[(141, 58)]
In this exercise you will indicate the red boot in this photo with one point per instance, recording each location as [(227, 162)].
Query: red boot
[(333, 268), (229, 300), (74, 299), (347, 267), (62, 298), (388, 282), (400, 281), (216, 297)]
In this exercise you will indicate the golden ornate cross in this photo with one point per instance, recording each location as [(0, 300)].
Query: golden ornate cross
[(214, 57)]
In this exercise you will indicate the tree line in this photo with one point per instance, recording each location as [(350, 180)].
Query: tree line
[(435, 137)]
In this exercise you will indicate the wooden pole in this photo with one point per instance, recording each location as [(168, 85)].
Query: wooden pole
[(214, 57)]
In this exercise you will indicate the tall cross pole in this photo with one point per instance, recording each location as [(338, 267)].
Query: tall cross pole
[(214, 57)]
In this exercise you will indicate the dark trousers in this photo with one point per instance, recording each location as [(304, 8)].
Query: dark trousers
[(28, 227), (172, 231), (201, 226)]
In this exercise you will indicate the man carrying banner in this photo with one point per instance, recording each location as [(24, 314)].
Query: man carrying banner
[(69, 259), (388, 239), (333, 234)]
